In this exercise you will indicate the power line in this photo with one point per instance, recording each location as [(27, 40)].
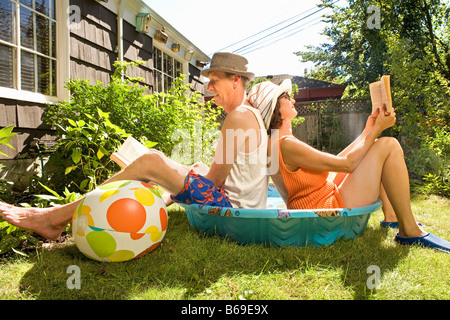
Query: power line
[(297, 21), (292, 33), (258, 33), (250, 45)]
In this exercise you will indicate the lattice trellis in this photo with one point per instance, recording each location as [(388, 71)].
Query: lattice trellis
[(334, 106), (326, 107)]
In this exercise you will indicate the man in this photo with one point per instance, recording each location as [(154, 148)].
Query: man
[(237, 176)]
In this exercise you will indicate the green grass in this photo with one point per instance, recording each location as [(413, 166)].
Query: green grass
[(191, 265)]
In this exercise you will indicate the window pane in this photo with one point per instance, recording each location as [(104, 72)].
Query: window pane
[(45, 7), (158, 81), (157, 58), (53, 39), (27, 71), (46, 76), (169, 66), (178, 69), (43, 38), (167, 83), (164, 69), (26, 28), (6, 66), (7, 11), (28, 3)]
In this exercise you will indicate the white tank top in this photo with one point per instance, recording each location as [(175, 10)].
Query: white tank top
[(246, 185)]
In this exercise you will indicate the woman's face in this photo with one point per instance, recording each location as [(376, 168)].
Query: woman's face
[(287, 107)]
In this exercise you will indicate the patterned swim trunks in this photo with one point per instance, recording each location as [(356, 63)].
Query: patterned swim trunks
[(198, 189)]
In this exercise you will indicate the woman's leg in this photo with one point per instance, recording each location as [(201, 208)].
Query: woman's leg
[(383, 164), (388, 210), (50, 222)]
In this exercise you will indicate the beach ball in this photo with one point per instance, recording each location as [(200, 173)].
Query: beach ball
[(119, 221)]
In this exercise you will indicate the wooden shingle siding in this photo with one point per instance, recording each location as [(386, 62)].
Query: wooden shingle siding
[(27, 120), (93, 44), (138, 46)]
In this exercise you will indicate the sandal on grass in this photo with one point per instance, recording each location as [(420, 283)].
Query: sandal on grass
[(394, 225), (428, 240)]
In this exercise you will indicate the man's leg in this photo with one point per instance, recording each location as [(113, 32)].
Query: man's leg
[(50, 222)]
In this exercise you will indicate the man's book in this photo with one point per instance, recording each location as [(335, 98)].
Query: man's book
[(380, 93), (130, 150)]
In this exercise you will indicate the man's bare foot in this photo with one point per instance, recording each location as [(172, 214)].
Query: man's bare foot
[(48, 222)]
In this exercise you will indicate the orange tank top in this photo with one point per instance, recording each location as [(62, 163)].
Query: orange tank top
[(309, 189)]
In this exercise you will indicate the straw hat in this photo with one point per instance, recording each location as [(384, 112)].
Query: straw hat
[(264, 95), (229, 62)]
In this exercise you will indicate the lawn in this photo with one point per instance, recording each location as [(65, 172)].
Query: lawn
[(191, 265)]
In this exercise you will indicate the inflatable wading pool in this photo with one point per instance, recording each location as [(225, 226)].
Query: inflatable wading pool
[(277, 226)]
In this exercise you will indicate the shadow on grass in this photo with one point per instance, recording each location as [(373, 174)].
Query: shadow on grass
[(190, 262)]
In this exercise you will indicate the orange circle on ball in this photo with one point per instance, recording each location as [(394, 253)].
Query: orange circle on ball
[(126, 215)]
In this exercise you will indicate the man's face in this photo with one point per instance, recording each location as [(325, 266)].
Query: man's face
[(221, 87)]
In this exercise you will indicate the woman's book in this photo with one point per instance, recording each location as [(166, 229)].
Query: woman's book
[(130, 150), (380, 93)]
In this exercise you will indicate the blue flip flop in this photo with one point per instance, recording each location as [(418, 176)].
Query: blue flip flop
[(428, 240), (394, 225), (385, 224)]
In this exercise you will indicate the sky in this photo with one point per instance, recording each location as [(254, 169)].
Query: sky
[(273, 29)]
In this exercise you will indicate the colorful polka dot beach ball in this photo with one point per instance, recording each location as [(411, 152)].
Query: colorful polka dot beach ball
[(119, 221)]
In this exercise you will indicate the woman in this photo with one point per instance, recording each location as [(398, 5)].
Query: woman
[(368, 169)]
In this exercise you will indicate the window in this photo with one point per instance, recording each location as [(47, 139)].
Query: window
[(28, 45), (165, 70)]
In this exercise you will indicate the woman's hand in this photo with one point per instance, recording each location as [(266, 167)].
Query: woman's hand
[(384, 119), (371, 121), (380, 120)]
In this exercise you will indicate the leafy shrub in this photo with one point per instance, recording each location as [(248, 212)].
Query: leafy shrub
[(6, 135), (11, 237), (106, 115), (153, 117), (422, 102), (87, 146)]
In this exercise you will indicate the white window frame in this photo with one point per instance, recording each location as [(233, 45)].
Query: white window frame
[(62, 60)]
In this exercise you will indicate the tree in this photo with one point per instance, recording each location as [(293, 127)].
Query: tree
[(358, 53), (409, 40)]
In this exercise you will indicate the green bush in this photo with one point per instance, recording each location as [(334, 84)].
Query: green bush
[(154, 117), (88, 145), (422, 102), (106, 115), (11, 237)]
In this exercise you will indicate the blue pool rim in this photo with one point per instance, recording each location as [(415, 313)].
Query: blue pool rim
[(281, 227)]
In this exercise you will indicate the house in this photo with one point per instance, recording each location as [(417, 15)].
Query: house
[(45, 42), (311, 89)]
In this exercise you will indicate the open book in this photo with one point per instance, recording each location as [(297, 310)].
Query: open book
[(380, 92), (130, 150)]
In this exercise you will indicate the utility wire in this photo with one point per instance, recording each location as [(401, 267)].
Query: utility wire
[(292, 33), (255, 43), (258, 33), (303, 18)]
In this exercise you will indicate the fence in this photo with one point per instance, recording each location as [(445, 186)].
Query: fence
[(331, 125)]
